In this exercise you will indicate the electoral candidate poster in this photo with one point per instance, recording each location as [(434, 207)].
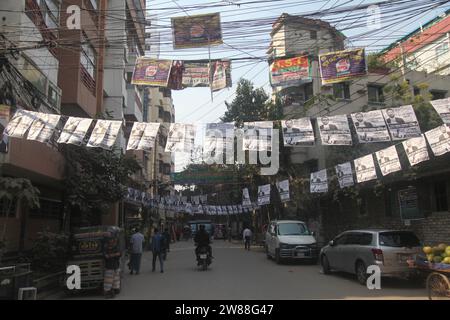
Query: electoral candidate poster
[(43, 127), (197, 31), (344, 174), (196, 74), (20, 123), (365, 169), (75, 130), (402, 122), (143, 136), (258, 136), (180, 138), (370, 126), (246, 198), (416, 150), (335, 130), (283, 189), (151, 72), (442, 107), (388, 160), (342, 65), (290, 72), (221, 75), (104, 134), (439, 139), (319, 182), (264, 195), (298, 132), (218, 137)]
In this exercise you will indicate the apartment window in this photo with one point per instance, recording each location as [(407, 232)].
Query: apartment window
[(313, 34), (49, 209), (34, 75), (341, 91), (375, 93), (50, 12), (438, 94), (88, 57), (441, 49), (440, 194), (94, 4)]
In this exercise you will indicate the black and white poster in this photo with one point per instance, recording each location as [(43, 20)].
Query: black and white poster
[(370, 126), (344, 174), (416, 150), (442, 107), (20, 123), (75, 130), (246, 202), (181, 138), (365, 169), (258, 136), (143, 136), (264, 195), (319, 182), (334, 130), (283, 189), (213, 210), (218, 137), (43, 127), (203, 199), (439, 139), (388, 160), (104, 134), (402, 122), (298, 132)]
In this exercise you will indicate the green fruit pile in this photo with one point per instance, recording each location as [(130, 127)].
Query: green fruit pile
[(438, 254)]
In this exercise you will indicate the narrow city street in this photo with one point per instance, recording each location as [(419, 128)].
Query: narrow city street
[(237, 274)]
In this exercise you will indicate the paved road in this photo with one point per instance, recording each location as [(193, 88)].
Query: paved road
[(239, 274)]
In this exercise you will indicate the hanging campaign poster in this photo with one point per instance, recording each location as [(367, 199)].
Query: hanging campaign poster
[(388, 160), (196, 31), (416, 150), (298, 132), (5, 113), (439, 139), (290, 72), (104, 134), (258, 136), (246, 198), (75, 130), (143, 136), (402, 122), (342, 66), (365, 169), (240, 209), (196, 74), (176, 75), (43, 127), (224, 210), (180, 138), (203, 199), (370, 126), (218, 136), (20, 123), (221, 75), (335, 130), (151, 72), (319, 181), (230, 209), (345, 175), (442, 107), (264, 194), (195, 200), (283, 189)]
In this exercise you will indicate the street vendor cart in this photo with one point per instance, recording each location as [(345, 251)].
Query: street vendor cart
[(437, 277)]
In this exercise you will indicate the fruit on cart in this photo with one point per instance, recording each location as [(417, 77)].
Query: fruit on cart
[(442, 246), (447, 251), (446, 260), (437, 251), (428, 250), (430, 257), (437, 259), (443, 255)]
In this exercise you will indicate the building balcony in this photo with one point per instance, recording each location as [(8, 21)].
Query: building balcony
[(133, 110)]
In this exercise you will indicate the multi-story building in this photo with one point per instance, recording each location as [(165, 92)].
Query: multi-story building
[(424, 49)]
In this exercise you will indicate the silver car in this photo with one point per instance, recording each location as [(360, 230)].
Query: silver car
[(353, 251)]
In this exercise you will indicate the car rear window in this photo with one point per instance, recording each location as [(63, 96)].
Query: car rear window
[(399, 239)]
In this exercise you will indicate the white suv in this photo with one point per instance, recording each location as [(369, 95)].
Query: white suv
[(290, 239)]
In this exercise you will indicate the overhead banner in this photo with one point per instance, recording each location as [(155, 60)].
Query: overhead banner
[(416, 150), (319, 182), (342, 66), (335, 130), (283, 189), (439, 139), (43, 127), (290, 72), (75, 130), (345, 175), (246, 202), (218, 137), (181, 137), (176, 75), (388, 160), (258, 136), (298, 132), (196, 74), (197, 31), (143, 136), (104, 134), (365, 169), (151, 72), (402, 122), (264, 195), (221, 75), (203, 199), (442, 107), (370, 126), (20, 123)]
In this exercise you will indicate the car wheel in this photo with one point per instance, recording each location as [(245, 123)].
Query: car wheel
[(325, 265), (277, 257), (361, 272)]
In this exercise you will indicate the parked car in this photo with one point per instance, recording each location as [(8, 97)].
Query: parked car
[(290, 239), (353, 251)]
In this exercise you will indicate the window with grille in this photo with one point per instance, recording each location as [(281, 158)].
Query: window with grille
[(440, 195), (375, 93), (87, 57), (49, 209), (341, 91)]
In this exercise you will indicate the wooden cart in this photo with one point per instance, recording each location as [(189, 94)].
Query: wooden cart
[(437, 275)]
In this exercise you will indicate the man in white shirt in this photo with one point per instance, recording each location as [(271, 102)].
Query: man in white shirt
[(247, 236), (136, 242)]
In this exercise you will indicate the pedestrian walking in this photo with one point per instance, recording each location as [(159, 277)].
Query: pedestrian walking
[(167, 238), (229, 233), (136, 242), (247, 237), (111, 280), (158, 248)]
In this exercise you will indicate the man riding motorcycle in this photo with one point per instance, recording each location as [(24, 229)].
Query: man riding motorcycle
[(202, 240)]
